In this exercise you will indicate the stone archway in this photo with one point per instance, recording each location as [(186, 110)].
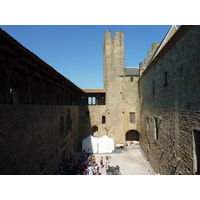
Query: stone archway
[(132, 135), (94, 129)]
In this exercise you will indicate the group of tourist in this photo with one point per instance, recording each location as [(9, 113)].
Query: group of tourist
[(86, 165)]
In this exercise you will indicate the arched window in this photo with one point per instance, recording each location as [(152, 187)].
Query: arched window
[(91, 100), (131, 79), (103, 119)]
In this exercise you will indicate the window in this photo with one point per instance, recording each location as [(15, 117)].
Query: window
[(156, 128), (103, 119), (165, 79), (68, 122), (61, 125), (68, 113), (131, 79), (132, 117), (153, 85), (91, 100)]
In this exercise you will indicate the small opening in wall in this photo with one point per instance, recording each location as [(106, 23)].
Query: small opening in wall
[(153, 85), (132, 117), (165, 79), (156, 128), (61, 125), (103, 119), (131, 79)]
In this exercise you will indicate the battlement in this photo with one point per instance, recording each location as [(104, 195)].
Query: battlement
[(148, 59), (117, 33), (118, 38)]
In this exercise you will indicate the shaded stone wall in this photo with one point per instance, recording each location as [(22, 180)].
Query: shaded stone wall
[(169, 105), (35, 139)]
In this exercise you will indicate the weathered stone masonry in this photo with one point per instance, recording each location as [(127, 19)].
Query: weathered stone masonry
[(35, 140), (121, 86), (169, 104)]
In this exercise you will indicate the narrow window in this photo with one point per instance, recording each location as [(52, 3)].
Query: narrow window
[(103, 119), (62, 125), (153, 85), (94, 100), (68, 122), (131, 79), (132, 117), (89, 100), (165, 79), (156, 128), (68, 113)]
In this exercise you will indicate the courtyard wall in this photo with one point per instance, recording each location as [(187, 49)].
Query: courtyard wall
[(169, 92)]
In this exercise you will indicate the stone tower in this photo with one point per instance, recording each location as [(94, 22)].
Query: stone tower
[(121, 88)]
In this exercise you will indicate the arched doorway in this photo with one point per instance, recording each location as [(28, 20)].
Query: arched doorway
[(94, 129), (132, 135)]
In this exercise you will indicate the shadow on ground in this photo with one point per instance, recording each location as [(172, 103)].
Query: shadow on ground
[(113, 170)]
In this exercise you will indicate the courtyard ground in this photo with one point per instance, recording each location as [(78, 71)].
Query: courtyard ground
[(130, 160)]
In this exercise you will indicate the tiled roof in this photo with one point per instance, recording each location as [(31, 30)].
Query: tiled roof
[(94, 90), (131, 71)]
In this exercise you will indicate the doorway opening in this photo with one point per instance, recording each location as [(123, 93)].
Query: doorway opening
[(132, 137)]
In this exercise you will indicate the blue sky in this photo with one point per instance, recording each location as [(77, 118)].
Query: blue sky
[(76, 51)]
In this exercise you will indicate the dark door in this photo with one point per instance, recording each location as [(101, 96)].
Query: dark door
[(197, 147)]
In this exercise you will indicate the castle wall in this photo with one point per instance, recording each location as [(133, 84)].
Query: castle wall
[(169, 106), (97, 113), (35, 138)]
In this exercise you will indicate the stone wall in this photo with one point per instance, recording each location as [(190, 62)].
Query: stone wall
[(121, 93), (97, 113), (35, 139), (169, 93)]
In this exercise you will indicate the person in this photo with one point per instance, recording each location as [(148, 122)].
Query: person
[(101, 162), (90, 170), (88, 152), (93, 159), (107, 162), (93, 170), (96, 167)]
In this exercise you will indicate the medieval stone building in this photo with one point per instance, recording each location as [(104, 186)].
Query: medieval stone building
[(44, 116)]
